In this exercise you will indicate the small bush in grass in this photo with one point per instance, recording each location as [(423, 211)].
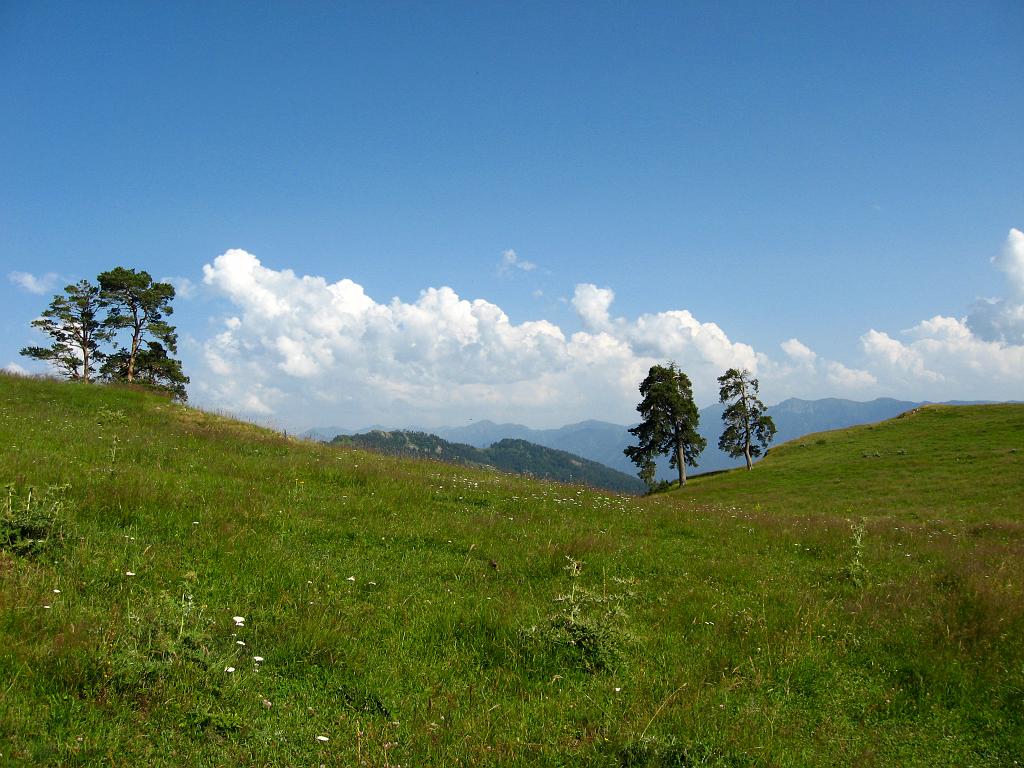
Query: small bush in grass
[(855, 570), (669, 752), (662, 486), (586, 628), (32, 522), (220, 721), (362, 700)]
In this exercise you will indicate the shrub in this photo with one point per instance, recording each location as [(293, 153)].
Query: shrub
[(856, 571), (586, 627), (32, 523)]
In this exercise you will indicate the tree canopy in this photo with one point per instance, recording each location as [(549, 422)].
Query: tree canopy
[(72, 320), (137, 304), (669, 425), (135, 309), (153, 367), (748, 427)]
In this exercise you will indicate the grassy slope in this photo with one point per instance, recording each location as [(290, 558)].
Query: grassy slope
[(958, 461), (750, 637)]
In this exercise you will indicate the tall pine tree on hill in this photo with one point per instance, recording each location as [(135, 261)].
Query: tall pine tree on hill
[(73, 322), (133, 303), (669, 425), (748, 427), (139, 305)]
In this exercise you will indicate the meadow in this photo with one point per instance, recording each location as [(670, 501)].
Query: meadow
[(180, 588)]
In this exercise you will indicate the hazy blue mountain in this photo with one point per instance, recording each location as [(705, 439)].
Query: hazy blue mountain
[(324, 434), (799, 417), (484, 433), (597, 440), (603, 442), (509, 455)]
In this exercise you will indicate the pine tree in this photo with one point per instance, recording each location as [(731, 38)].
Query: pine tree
[(748, 427), (153, 367), (669, 423), (72, 320), (138, 305)]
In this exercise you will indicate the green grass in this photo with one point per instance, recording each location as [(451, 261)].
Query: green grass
[(736, 622), (958, 461)]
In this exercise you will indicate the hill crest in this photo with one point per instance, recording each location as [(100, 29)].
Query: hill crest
[(508, 455)]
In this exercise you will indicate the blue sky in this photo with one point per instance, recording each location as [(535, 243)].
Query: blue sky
[(838, 174)]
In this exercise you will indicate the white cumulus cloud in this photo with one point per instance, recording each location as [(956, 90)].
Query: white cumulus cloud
[(804, 373), (845, 379), (1002, 319), (34, 284), (301, 349), (184, 288), (592, 304), (510, 260), (290, 339), (798, 352), (979, 356), (942, 359), (1011, 261)]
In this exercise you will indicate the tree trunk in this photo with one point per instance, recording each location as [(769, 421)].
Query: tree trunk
[(680, 462), (82, 339), (746, 423), (131, 357), (136, 341)]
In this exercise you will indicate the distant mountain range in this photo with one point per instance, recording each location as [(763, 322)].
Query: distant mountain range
[(604, 442), (508, 455)]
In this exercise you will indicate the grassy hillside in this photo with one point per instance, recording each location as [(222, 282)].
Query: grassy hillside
[(412, 613), (965, 462), (509, 455)]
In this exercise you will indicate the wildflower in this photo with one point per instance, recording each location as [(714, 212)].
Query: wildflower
[(351, 578), (239, 642), (56, 591), (257, 659), (229, 669), (239, 620), (129, 573), (322, 738)]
